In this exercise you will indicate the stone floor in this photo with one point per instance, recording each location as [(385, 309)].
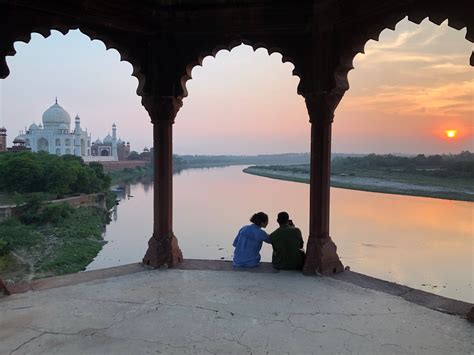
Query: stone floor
[(204, 311)]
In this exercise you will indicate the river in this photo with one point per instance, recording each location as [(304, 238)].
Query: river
[(420, 242)]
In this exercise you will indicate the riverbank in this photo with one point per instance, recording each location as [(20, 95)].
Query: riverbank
[(66, 241), (398, 184), (129, 175)]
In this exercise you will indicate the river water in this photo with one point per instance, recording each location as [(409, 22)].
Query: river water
[(421, 242)]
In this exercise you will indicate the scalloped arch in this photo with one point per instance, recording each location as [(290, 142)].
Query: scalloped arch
[(373, 33), (213, 50), (92, 35)]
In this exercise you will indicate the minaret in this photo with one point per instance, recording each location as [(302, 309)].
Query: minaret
[(3, 139), (77, 136), (114, 142)]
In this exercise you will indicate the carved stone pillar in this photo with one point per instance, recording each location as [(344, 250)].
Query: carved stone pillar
[(321, 255), (163, 249)]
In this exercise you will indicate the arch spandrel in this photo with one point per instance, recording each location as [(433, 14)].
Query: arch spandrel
[(164, 42), (19, 24)]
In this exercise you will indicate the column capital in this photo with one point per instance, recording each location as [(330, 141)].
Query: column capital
[(321, 106), (162, 108)]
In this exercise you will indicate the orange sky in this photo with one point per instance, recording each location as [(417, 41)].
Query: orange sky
[(406, 90)]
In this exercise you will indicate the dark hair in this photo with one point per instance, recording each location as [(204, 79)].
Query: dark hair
[(259, 218), (283, 218)]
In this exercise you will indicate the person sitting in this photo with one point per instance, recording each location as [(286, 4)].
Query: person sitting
[(287, 245), (248, 241)]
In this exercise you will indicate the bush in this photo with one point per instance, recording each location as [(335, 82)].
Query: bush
[(4, 247), (55, 213), (18, 234), (30, 209)]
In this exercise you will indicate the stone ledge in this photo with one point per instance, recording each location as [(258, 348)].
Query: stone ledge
[(72, 279), (422, 298)]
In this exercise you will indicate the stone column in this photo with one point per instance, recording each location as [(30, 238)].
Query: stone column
[(321, 255), (163, 249)]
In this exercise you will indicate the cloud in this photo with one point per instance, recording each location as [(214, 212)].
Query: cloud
[(450, 68), (434, 36)]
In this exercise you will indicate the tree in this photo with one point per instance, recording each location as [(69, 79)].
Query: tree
[(134, 155)]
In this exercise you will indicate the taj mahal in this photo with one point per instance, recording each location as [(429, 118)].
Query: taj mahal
[(54, 136)]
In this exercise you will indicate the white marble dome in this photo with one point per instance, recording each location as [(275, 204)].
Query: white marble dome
[(108, 139), (56, 115), (34, 127)]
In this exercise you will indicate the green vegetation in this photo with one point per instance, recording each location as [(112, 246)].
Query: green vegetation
[(28, 172), (128, 175), (48, 240), (441, 176)]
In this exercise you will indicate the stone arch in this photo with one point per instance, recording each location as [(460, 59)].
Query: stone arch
[(42, 145), (68, 151), (356, 44), (58, 142), (58, 151), (286, 50), (104, 153), (67, 142)]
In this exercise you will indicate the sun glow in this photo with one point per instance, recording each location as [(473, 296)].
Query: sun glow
[(451, 133)]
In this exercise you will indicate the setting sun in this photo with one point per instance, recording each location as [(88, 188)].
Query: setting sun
[(451, 133)]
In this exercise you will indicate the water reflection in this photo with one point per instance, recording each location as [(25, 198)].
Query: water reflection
[(421, 242)]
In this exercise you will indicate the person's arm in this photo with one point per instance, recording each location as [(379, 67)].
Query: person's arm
[(300, 237), (265, 237)]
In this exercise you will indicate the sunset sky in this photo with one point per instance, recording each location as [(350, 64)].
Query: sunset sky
[(406, 91)]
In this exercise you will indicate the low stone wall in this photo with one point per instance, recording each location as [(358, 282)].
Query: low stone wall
[(98, 159), (92, 200), (5, 212), (122, 164)]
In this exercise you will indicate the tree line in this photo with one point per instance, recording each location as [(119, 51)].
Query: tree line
[(447, 165), (444, 166), (27, 172)]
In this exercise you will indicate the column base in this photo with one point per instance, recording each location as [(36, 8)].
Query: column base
[(163, 251), (321, 257)]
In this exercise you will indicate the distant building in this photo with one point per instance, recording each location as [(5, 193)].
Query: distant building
[(3, 139), (123, 150), (110, 146), (146, 154), (19, 145), (55, 137)]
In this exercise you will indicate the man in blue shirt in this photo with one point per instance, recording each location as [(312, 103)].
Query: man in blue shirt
[(249, 241)]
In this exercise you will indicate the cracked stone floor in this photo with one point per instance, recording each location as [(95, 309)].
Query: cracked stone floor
[(190, 311)]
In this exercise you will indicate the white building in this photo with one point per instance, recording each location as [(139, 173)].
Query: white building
[(55, 136)]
